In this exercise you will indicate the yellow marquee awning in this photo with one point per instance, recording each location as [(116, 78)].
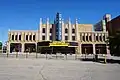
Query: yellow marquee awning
[(58, 43)]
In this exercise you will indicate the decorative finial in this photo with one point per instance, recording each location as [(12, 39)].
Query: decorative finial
[(8, 29), (76, 20), (48, 20), (40, 20), (69, 20)]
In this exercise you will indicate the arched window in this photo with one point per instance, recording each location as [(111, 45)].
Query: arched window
[(90, 38), (19, 37), (34, 37), (30, 37), (12, 37), (16, 36), (26, 37)]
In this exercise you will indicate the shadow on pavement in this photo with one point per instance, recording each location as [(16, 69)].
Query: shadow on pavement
[(111, 61)]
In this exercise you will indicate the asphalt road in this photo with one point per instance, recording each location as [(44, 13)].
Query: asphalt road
[(50, 69)]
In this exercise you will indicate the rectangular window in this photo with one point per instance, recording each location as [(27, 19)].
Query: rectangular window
[(30, 37), (83, 38), (43, 37), (66, 30), (26, 37), (66, 37), (19, 37), (73, 38), (104, 37), (86, 38), (90, 38), (56, 30), (73, 30), (50, 30), (100, 38), (50, 37), (16, 37), (43, 30), (12, 37), (34, 37), (97, 38)]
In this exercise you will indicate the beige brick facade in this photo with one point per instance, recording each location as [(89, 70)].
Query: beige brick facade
[(81, 33)]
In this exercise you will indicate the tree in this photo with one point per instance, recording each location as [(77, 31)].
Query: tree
[(0, 45)]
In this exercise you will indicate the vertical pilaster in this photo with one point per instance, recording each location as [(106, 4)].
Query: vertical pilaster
[(79, 36), (40, 31), (36, 47), (82, 37), (80, 48), (47, 30), (94, 51), (76, 30), (63, 31), (9, 39), (85, 36), (19, 33), (14, 36), (9, 36), (108, 51), (32, 36), (18, 36), (28, 36), (8, 47), (98, 37), (36, 37), (88, 37), (94, 37), (69, 30), (102, 37), (23, 37), (22, 49), (106, 35), (104, 25)]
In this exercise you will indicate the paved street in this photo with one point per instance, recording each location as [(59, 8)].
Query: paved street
[(42, 69)]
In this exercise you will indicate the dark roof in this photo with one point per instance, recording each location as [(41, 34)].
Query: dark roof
[(118, 17)]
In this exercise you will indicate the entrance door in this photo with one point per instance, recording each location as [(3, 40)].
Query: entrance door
[(64, 50)]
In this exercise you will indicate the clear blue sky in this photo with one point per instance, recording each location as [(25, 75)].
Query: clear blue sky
[(25, 14)]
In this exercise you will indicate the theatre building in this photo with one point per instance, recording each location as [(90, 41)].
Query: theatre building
[(58, 37)]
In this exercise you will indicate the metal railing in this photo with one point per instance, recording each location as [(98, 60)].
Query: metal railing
[(68, 56), (6, 54)]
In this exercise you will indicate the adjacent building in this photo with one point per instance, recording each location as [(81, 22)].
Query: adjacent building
[(113, 25), (59, 37), (102, 25)]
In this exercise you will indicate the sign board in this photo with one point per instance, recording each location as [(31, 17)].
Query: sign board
[(59, 43)]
